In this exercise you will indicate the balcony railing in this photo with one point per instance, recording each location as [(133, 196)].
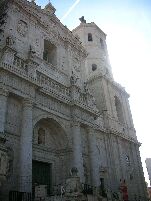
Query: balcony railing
[(20, 63), (49, 84)]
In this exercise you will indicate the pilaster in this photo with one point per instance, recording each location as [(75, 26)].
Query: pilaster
[(3, 107), (121, 159), (141, 173), (77, 149), (94, 164), (26, 148)]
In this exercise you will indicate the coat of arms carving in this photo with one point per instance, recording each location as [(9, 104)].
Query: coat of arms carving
[(22, 28)]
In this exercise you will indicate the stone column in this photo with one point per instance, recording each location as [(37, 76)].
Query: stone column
[(26, 148), (141, 178), (3, 108), (94, 161), (77, 150)]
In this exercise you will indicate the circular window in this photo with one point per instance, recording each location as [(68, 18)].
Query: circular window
[(94, 67)]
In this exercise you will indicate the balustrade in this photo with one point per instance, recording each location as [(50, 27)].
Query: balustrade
[(20, 63), (48, 83)]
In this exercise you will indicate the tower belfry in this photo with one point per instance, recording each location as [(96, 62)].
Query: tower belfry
[(94, 41)]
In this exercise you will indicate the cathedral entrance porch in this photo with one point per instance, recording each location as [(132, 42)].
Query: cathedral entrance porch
[(41, 177), (51, 157)]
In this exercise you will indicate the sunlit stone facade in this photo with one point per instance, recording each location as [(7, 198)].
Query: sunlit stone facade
[(148, 165), (61, 108)]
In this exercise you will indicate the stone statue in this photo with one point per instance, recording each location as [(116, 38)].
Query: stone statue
[(9, 41), (32, 51), (82, 19), (74, 172), (85, 86), (73, 188), (73, 79)]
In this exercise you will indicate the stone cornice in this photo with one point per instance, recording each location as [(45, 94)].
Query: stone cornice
[(92, 24), (112, 82), (125, 137), (36, 11), (50, 91), (48, 149)]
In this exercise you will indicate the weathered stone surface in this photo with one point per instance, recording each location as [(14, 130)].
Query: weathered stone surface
[(61, 108)]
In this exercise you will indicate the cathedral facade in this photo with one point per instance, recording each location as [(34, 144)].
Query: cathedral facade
[(61, 108)]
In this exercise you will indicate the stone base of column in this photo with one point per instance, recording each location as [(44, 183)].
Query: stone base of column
[(25, 184)]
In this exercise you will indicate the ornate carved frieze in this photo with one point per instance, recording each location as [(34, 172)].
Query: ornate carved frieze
[(81, 115), (51, 85), (20, 63), (53, 72), (52, 104), (16, 83), (83, 98)]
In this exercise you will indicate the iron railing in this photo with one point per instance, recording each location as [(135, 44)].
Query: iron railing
[(19, 196)]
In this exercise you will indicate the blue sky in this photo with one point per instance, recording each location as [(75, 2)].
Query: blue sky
[(127, 24)]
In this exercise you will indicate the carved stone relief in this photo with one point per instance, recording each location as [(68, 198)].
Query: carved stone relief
[(22, 28), (17, 83), (8, 56), (76, 65), (52, 104)]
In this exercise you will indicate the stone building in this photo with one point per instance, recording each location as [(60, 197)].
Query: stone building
[(61, 108), (148, 165)]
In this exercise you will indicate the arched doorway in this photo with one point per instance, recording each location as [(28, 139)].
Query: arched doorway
[(50, 155)]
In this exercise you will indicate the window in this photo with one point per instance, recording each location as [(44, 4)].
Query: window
[(102, 43), (94, 67), (131, 177), (127, 160), (119, 110), (41, 136), (90, 37), (50, 52), (102, 188), (42, 175)]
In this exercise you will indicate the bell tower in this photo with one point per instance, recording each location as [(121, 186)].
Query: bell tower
[(94, 41), (111, 97)]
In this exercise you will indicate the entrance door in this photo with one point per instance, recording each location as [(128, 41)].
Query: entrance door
[(41, 175)]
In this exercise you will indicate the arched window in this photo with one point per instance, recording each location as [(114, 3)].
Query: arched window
[(41, 136), (94, 67), (127, 160), (90, 37), (50, 52), (102, 43), (119, 110)]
